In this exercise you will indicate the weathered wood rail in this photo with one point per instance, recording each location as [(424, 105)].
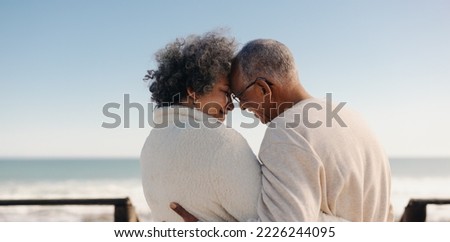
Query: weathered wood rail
[(416, 210), (124, 210)]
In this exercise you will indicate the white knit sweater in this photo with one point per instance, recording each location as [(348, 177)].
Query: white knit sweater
[(205, 166), (340, 170)]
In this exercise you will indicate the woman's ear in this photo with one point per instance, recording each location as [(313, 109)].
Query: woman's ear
[(191, 93)]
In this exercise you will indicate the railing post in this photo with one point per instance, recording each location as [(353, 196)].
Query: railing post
[(416, 211), (125, 212)]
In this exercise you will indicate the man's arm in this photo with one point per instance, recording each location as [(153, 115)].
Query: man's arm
[(187, 217), (293, 182)]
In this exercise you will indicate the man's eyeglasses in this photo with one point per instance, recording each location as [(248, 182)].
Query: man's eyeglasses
[(237, 97)]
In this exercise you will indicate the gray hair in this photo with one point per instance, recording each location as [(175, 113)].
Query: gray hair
[(266, 57), (196, 61)]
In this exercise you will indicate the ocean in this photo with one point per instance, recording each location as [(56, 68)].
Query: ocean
[(119, 178)]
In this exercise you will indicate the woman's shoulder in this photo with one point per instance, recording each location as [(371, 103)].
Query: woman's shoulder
[(227, 136)]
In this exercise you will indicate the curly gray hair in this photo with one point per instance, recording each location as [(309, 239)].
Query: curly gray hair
[(266, 57), (195, 61)]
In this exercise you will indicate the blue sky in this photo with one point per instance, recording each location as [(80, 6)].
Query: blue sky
[(61, 61)]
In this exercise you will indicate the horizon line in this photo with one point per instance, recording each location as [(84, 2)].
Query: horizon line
[(137, 157)]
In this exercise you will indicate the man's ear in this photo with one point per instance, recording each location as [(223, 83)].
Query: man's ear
[(264, 86)]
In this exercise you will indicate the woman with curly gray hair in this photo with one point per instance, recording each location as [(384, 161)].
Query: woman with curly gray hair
[(194, 72), (190, 156)]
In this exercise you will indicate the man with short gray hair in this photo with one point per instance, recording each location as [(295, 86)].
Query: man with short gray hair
[(317, 157)]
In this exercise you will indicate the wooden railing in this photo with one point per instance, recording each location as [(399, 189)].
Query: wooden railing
[(124, 210), (416, 211)]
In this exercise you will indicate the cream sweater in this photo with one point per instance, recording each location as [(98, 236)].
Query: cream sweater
[(342, 171), (195, 160), (205, 166)]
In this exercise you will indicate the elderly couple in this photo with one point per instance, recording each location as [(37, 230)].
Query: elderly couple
[(333, 172)]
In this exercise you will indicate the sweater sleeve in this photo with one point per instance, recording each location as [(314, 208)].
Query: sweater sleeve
[(293, 180), (236, 178)]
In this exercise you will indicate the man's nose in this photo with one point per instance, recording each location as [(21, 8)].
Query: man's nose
[(243, 105)]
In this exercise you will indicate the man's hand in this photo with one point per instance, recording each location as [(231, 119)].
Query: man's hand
[(187, 217)]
